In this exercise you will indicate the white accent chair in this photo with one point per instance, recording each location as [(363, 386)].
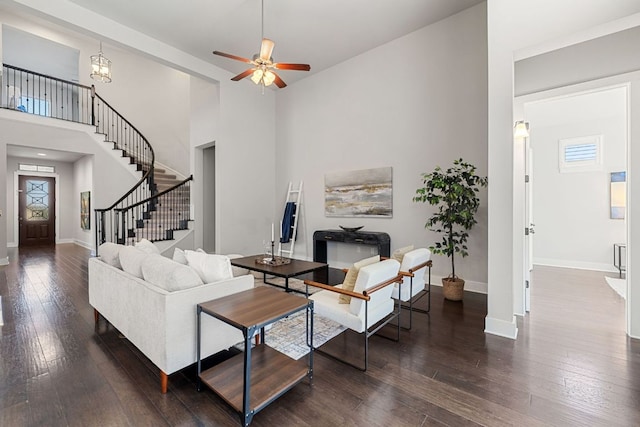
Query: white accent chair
[(371, 305), (415, 265)]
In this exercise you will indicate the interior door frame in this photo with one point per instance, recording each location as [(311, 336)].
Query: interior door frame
[(16, 204)]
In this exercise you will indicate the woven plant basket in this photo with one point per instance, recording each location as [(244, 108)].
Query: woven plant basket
[(452, 289)]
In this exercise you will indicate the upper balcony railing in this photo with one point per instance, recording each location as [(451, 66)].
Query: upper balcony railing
[(43, 95)]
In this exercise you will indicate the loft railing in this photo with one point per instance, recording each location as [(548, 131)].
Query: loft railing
[(43, 95), (171, 211)]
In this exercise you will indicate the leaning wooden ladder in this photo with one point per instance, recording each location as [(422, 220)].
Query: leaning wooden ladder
[(293, 196)]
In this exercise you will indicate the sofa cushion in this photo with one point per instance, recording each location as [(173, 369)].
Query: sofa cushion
[(238, 271), (350, 279), (146, 246), (178, 256), (168, 274), (109, 253), (210, 267), (131, 260)]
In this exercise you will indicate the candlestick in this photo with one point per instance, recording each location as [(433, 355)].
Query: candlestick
[(272, 232)]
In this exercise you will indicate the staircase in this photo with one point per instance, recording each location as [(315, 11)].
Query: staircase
[(157, 205)]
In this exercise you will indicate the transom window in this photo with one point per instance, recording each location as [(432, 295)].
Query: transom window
[(582, 154)]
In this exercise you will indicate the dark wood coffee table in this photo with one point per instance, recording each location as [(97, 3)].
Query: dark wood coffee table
[(295, 268)]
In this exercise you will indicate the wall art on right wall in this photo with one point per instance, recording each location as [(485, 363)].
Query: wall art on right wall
[(618, 194)]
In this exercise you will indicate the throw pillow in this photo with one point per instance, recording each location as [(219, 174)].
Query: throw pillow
[(168, 274), (238, 271), (178, 256), (399, 254), (210, 267), (110, 253), (350, 279), (131, 260), (146, 246)]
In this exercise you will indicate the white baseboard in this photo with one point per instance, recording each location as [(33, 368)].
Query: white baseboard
[(83, 244), (469, 285), (580, 265), (501, 328), (4, 261), (12, 244), (63, 241)]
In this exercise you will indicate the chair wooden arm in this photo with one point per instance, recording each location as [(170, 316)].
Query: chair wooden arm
[(372, 289), (419, 266), (345, 270), (337, 290)]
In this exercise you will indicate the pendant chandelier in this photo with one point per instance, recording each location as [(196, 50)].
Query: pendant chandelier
[(100, 67)]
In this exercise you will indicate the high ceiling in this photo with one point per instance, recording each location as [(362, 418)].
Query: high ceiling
[(321, 33)]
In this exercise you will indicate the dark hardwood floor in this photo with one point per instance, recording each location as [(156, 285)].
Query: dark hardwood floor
[(571, 365)]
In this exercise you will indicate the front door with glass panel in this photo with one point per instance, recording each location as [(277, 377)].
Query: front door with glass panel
[(36, 215)]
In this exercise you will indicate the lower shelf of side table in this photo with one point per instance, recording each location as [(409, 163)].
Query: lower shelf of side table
[(272, 373)]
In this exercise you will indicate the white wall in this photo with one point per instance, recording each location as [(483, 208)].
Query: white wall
[(151, 96), (414, 103), (244, 134), (519, 28), (571, 210), (83, 181)]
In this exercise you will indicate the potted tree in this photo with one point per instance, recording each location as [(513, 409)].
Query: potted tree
[(455, 193)]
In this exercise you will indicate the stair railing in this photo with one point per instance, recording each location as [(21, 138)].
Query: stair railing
[(43, 95), (171, 210)]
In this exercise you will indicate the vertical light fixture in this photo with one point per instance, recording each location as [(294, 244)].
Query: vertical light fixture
[(100, 67), (521, 129)]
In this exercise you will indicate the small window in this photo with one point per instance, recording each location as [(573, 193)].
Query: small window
[(582, 154), (36, 168)]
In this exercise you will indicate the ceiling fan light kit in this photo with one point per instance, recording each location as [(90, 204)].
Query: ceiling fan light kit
[(263, 65)]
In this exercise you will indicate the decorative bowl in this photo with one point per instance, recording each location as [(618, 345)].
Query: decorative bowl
[(351, 229)]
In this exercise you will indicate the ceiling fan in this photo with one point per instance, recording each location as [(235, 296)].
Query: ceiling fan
[(262, 71)]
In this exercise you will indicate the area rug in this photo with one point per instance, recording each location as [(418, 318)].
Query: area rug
[(618, 285), (288, 335)]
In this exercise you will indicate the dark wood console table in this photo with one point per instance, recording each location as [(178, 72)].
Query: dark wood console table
[(320, 238)]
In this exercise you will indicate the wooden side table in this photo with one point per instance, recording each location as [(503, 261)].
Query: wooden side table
[(251, 380)]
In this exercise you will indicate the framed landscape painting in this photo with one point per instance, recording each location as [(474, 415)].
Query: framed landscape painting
[(359, 193), (85, 210)]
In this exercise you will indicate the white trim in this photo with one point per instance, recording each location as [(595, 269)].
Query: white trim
[(16, 202), (63, 241), (469, 285), (4, 261), (580, 265), (1, 318), (501, 328), (81, 243), (12, 244)]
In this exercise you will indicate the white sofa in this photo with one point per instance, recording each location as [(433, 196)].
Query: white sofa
[(161, 323)]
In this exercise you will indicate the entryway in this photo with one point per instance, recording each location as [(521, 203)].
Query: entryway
[(36, 210)]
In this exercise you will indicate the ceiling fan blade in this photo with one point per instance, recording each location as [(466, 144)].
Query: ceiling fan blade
[(278, 81), (266, 49), (243, 74), (228, 55), (299, 67)]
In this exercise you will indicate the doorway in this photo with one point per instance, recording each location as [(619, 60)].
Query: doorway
[(36, 210), (580, 142), (209, 198)]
